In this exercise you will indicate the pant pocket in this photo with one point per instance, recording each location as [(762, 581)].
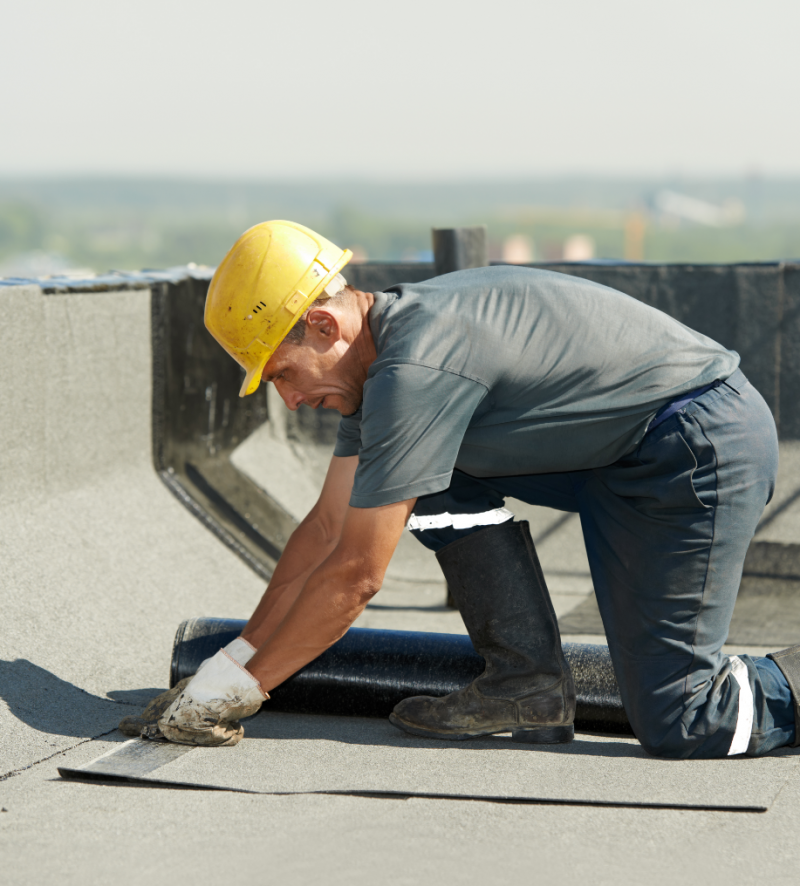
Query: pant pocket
[(665, 475)]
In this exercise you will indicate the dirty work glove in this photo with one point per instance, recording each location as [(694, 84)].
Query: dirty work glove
[(239, 650), (135, 724), (207, 711)]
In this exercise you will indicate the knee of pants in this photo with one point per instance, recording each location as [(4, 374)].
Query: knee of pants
[(673, 742), (670, 743), (674, 720)]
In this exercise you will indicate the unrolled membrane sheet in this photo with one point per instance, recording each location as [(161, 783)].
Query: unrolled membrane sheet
[(298, 753)]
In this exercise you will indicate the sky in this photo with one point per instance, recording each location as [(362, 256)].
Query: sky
[(415, 90)]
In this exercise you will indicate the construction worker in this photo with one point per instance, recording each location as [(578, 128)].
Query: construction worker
[(463, 390)]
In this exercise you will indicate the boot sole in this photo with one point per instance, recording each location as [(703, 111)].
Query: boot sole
[(527, 735)]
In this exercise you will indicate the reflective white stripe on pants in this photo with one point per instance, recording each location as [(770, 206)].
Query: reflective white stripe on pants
[(744, 720), (459, 521)]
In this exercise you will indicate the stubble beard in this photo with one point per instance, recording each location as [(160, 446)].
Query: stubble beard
[(353, 404), (348, 405)]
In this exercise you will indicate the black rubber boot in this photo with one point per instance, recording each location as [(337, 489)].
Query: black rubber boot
[(526, 688)]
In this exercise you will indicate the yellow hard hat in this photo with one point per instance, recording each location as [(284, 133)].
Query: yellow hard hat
[(262, 287)]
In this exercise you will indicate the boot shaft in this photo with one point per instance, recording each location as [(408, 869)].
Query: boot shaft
[(498, 584)]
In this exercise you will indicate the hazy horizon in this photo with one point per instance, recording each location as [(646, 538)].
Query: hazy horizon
[(48, 225)]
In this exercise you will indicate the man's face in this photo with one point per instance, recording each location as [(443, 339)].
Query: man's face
[(321, 371)]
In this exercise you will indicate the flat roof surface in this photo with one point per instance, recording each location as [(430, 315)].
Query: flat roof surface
[(99, 565)]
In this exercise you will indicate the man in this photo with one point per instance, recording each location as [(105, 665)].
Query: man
[(496, 382)]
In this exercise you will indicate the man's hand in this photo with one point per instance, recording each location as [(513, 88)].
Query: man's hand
[(208, 710), (146, 724)]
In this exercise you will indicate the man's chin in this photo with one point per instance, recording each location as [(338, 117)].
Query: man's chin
[(344, 406), (351, 410)]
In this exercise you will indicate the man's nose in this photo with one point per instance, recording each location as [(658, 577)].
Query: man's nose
[(290, 397)]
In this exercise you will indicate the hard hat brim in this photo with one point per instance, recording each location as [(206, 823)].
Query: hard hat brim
[(253, 378)]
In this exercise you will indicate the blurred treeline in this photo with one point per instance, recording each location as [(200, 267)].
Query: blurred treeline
[(50, 226)]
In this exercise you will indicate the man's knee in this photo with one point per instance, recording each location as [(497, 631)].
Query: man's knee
[(669, 743), (698, 725), (675, 714)]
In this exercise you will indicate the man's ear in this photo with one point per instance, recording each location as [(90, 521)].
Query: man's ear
[(323, 325)]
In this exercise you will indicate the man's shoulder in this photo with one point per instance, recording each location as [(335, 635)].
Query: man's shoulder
[(458, 322), (466, 291), (477, 280)]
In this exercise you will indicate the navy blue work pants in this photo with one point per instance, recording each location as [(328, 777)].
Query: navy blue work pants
[(666, 529)]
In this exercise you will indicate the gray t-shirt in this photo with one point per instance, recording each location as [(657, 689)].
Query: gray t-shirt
[(505, 371)]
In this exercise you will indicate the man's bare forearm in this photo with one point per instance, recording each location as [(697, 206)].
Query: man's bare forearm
[(332, 599), (334, 595), (308, 546)]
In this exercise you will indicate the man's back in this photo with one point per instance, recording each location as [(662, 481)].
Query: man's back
[(504, 370)]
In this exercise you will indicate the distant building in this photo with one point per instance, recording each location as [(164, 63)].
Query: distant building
[(518, 250), (579, 247)]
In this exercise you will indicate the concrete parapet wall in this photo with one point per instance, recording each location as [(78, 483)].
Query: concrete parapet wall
[(99, 563), (789, 340), (70, 362)]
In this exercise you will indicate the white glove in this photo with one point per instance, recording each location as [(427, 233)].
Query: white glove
[(239, 650), (208, 710)]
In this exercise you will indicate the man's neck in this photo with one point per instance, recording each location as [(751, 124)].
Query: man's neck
[(364, 343)]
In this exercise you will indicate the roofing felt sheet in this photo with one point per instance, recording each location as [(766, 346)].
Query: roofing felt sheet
[(294, 753)]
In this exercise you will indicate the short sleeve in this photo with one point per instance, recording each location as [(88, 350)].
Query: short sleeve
[(412, 425), (348, 436)]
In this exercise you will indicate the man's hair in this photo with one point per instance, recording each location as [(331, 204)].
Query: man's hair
[(336, 292)]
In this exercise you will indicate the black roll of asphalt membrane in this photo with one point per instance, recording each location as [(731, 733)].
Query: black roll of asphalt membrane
[(368, 672)]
